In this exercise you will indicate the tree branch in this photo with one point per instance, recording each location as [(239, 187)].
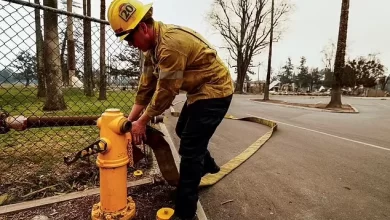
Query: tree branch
[(243, 24)]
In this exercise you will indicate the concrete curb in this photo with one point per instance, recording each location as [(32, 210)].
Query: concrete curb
[(200, 212), (355, 109), (62, 198), (300, 95), (307, 108), (371, 98)]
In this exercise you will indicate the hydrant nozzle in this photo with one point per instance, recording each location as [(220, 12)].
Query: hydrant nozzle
[(112, 163)]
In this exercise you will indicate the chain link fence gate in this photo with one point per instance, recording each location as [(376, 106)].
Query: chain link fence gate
[(37, 71)]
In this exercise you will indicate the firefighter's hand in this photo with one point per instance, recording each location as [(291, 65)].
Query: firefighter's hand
[(138, 131)]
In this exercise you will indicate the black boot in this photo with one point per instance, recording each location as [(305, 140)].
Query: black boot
[(210, 167)]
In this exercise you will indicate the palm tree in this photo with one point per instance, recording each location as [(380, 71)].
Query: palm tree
[(339, 63)]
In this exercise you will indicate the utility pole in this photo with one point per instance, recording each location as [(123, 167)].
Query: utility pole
[(267, 82)]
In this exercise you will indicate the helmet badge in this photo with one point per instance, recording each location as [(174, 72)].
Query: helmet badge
[(125, 11)]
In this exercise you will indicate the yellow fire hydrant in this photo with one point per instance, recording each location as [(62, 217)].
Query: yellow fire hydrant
[(112, 163)]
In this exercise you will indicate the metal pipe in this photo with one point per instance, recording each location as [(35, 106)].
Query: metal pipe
[(21, 123), (53, 121), (30, 4)]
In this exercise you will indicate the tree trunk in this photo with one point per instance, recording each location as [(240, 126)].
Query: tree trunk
[(240, 74), (88, 82), (71, 47), (39, 56), (311, 84), (386, 79), (240, 81), (55, 99), (102, 81), (62, 54), (267, 82), (27, 79), (335, 101)]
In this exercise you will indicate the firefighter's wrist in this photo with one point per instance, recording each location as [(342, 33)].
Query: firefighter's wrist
[(144, 119)]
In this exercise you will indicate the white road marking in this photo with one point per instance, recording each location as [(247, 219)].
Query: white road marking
[(331, 135), (382, 104)]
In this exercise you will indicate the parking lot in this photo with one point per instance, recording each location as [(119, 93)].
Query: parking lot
[(318, 165)]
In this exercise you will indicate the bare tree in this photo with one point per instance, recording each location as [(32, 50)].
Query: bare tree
[(329, 55), (102, 81), (88, 77), (55, 98), (39, 50), (267, 81), (339, 65), (245, 26)]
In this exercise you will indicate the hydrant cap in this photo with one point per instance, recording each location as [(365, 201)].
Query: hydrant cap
[(164, 213), (112, 110), (138, 173)]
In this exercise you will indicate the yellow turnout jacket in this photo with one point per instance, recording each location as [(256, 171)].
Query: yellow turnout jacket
[(181, 60)]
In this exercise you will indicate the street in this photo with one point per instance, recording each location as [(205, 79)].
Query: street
[(317, 165)]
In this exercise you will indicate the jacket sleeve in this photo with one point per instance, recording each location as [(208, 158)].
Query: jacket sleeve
[(172, 64), (147, 83)]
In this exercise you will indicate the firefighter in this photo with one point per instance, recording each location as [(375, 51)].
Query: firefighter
[(176, 59)]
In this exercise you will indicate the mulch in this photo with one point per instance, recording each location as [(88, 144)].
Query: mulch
[(149, 198), (80, 176)]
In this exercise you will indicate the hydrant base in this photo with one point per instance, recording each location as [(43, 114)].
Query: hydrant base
[(127, 213)]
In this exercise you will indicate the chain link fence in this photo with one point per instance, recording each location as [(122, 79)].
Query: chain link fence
[(42, 75)]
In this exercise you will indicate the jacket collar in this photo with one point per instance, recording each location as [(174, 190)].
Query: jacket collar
[(157, 28)]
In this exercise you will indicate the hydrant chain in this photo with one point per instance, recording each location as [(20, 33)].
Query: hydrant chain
[(94, 148)]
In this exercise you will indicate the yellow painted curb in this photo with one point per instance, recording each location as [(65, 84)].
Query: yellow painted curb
[(211, 179)]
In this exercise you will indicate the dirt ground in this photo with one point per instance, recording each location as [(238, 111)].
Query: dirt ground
[(345, 108), (149, 199), (82, 175)]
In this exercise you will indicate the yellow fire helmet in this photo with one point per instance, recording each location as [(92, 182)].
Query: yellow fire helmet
[(124, 15)]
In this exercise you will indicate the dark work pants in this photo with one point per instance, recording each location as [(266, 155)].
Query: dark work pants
[(196, 125)]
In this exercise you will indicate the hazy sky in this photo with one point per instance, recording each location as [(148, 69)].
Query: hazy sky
[(311, 26)]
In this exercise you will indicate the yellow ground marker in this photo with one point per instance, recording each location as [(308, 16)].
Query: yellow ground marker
[(165, 213), (138, 173)]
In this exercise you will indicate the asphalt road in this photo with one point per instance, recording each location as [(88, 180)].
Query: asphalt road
[(318, 165)]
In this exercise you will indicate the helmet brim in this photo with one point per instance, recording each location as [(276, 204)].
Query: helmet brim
[(145, 10)]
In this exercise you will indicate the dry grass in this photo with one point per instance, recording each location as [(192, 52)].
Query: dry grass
[(33, 159)]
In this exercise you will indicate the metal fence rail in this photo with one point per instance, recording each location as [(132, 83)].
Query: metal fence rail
[(31, 160)]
